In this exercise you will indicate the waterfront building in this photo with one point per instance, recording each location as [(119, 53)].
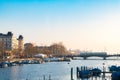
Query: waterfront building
[(9, 42), (20, 43)]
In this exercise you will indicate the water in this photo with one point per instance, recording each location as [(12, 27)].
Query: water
[(57, 70)]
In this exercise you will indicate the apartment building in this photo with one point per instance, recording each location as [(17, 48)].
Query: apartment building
[(9, 42)]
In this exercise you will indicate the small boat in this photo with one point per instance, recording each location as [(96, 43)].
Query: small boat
[(85, 74), (14, 64), (3, 65), (113, 68), (115, 75), (67, 59), (96, 72)]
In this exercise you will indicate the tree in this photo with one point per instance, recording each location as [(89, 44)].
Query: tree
[(1, 49), (30, 50), (43, 50), (15, 52), (58, 48)]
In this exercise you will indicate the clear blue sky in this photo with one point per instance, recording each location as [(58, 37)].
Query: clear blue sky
[(79, 24)]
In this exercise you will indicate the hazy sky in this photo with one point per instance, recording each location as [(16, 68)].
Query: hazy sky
[(80, 24)]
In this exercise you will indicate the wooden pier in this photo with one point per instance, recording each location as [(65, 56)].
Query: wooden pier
[(88, 74)]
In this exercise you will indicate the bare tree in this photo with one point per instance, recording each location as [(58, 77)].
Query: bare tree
[(30, 50), (1, 49), (58, 48)]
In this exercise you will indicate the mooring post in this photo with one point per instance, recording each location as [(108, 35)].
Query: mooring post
[(103, 77), (92, 77), (72, 74), (77, 72), (95, 78), (43, 77), (49, 77)]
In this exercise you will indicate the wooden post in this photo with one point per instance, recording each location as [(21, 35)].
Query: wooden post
[(103, 77), (49, 77), (77, 72), (95, 78), (72, 74), (43, 77)]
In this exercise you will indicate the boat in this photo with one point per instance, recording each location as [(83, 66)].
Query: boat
[(115, 75), (113, 68), (3, 65), (96, 72), (85, 74)]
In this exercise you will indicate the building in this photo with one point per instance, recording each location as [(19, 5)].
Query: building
[(20, 43), (9, 42)]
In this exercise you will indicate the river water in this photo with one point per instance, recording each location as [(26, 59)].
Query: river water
[(54, 70)]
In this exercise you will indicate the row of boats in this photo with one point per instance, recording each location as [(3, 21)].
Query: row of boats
[(20, 62), (115, 72), (85, 72), (4, 64), (54, 59)]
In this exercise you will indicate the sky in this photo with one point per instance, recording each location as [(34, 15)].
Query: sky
[(89, 25)]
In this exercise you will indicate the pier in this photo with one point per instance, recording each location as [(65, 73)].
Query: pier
[(88, 73)]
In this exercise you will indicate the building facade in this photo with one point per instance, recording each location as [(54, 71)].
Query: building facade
[(9, 42), (20, 43)]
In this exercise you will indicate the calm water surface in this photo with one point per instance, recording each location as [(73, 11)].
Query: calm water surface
[(57, 70)]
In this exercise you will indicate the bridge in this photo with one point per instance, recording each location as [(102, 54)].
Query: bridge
[(85, 55), (102, 56)]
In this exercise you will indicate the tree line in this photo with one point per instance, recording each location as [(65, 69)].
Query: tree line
[(30, 50)]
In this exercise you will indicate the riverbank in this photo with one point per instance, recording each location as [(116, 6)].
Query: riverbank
[(14, 62)]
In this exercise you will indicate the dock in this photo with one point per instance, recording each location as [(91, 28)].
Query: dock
[(88, 73)]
